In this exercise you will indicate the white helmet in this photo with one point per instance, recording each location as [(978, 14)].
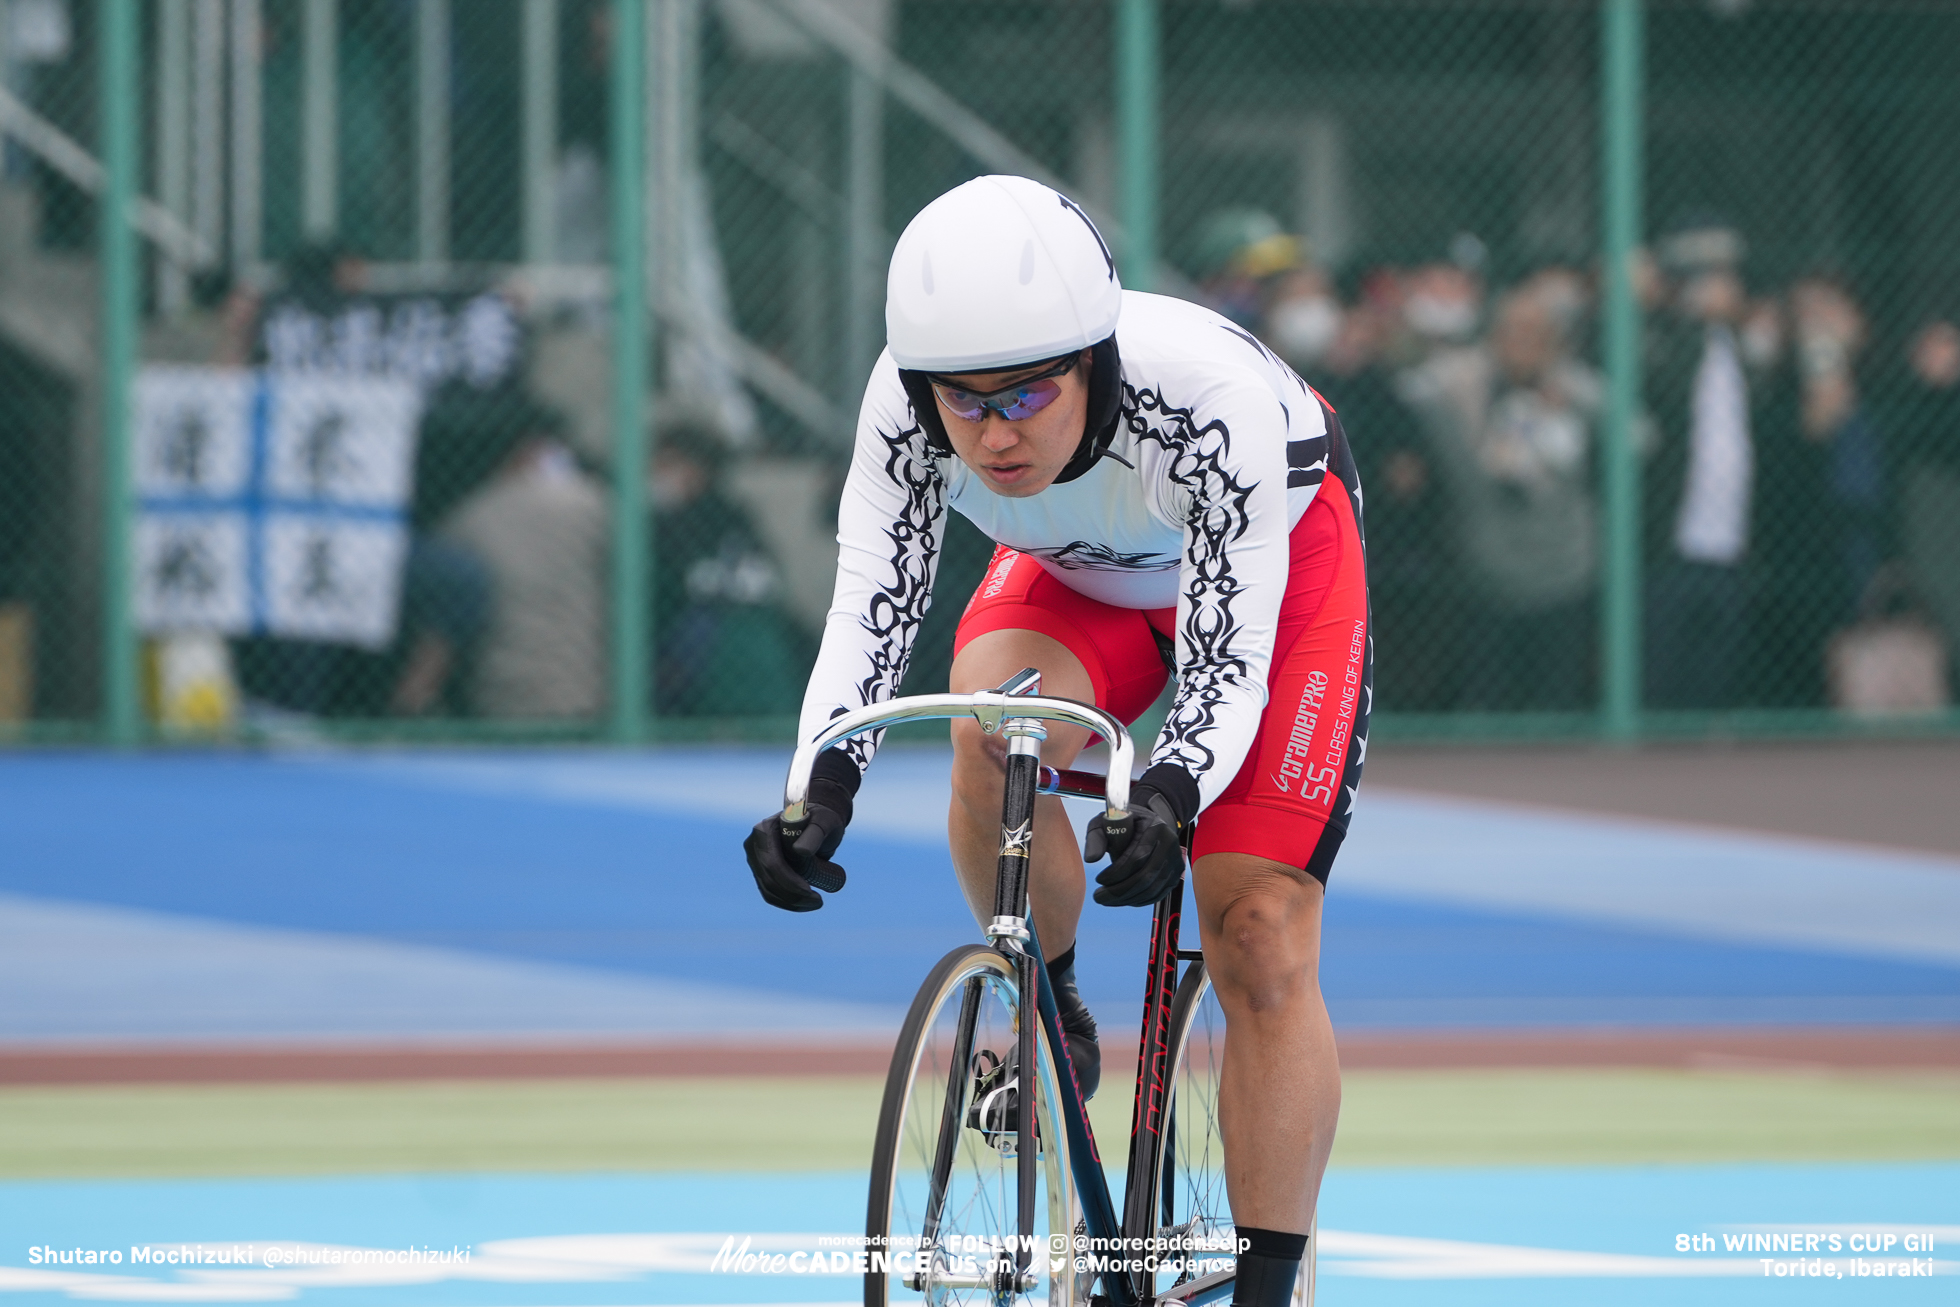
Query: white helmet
[(999, 272)]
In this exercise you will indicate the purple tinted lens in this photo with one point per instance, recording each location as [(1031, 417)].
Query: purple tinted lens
[(1029, 400), (962, 403), (1015, 404)]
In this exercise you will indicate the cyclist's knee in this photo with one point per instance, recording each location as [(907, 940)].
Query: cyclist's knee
[(1253, 965), (1263, 932), (979, 766)]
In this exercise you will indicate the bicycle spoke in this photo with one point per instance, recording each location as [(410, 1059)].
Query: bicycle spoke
[(1190, 1180)]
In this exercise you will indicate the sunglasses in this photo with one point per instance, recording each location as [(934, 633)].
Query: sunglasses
[(1023, 399)]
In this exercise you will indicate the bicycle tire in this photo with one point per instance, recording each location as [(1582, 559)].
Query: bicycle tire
[(1188, 1176), (923, 1128)]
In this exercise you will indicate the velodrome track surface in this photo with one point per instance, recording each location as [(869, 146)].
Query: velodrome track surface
[(572, 895), (506, 905)]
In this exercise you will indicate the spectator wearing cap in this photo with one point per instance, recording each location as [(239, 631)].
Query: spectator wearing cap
[(1242, 256), (1703, 476)]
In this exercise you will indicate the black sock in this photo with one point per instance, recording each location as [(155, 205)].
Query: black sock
[(1074, 1013), (1078, 1024), (1061, 970), (1268, 1266)]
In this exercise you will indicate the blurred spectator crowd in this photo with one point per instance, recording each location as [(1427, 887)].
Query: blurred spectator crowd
[(1800, 467)]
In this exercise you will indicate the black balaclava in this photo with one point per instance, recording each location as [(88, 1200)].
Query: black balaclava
[(1105, 408)]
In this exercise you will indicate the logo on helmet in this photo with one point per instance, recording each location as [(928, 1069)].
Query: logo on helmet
[(1101, 244)]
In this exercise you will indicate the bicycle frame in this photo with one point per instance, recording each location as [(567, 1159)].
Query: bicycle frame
[(1015, 711)]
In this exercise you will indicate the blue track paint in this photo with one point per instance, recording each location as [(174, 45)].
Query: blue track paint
[(501, 857)]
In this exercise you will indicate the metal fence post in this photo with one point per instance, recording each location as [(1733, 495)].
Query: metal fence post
[(320, 120), (864, 220), (171, 119), (1137, 63), (627, 171), (432, 130), (247, 140), (540, 130), (117, 85), (1621, 39)]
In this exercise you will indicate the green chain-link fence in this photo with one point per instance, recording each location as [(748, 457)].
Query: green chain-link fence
[(1806, 138), (494, 361)]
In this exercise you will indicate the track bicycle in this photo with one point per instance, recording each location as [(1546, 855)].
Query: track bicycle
[(975, 1200)]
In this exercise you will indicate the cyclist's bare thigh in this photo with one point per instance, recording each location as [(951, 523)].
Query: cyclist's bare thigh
[(989, 659)]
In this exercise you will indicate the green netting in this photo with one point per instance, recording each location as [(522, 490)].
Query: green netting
[(373, 436), (50, 522), (1403, 201), (1809, 137)]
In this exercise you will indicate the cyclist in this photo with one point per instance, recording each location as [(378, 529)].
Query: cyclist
[(1183, 504)]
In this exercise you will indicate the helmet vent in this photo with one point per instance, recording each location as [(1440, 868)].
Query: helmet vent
[(925, 271), (1027, 262)]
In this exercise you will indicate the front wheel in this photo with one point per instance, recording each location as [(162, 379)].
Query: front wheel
[(1189, 1181), (944, 1173)]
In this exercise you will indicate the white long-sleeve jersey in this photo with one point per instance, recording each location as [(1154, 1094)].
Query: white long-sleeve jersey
[(1229, 448)]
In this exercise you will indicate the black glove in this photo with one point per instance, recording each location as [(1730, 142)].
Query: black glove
[(787, 865), (1147, 855)]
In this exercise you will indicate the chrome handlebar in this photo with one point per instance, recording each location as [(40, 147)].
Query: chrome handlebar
[(991, 709)]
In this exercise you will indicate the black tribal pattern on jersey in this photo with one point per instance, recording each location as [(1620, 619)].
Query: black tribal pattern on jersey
[(1213, 661), (1093, 555), (898, 606), (1306, 456)]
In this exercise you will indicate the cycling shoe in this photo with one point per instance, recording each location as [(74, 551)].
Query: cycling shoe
[(994, 1103)]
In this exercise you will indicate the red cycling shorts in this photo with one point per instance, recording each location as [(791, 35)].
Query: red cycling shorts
[(1290, 800)]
